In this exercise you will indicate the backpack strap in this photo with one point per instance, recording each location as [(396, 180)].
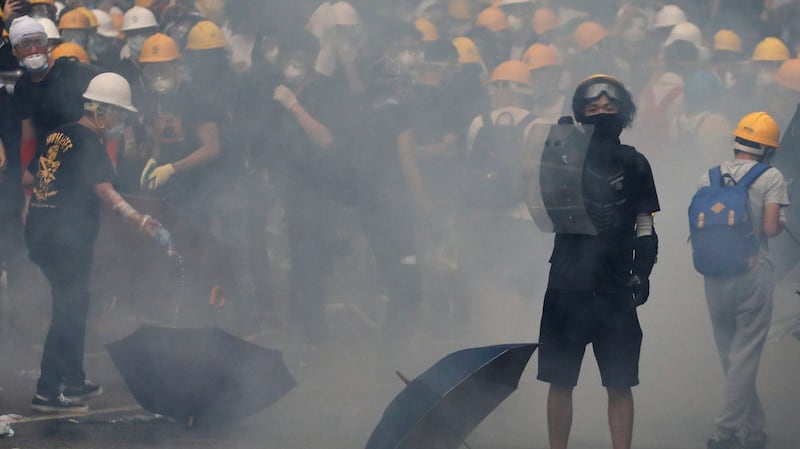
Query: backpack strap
[(753, 174), (715, 176), (486, 116)]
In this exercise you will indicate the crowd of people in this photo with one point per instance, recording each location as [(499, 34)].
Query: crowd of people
[(417, 116)]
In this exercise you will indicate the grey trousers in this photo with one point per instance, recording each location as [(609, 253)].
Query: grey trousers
[(741, 312)]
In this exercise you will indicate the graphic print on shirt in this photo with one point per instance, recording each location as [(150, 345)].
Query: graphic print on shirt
[(57, 143)]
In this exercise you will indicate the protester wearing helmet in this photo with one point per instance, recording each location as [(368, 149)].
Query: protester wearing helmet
[(549, 102), (767, 58), (70, 50), (45, 9), (182, 129), (597, 281), (519, 13), (106, 45), (46, 95), (459, 18), (72, 178), (137, 24), (75, 27), (726, 57), (740, 305)]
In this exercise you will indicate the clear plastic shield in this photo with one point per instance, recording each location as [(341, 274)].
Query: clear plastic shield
[(553, 174)]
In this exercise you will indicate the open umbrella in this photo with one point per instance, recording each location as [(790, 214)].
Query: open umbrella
[(199, 375), (445, 403)]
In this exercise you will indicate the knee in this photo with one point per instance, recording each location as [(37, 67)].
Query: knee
[(616, 394)]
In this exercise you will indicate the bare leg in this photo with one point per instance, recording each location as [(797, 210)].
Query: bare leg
[(620, 417), (559, 415)]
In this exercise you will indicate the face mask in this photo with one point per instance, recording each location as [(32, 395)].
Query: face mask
[(409, 58), (272, 54), (135, 45), (163, 84), (609, 126), (515, 23), (764, 78), (294, 75), (35, 63)]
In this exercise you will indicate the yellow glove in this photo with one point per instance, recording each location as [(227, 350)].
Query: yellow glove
[(160, 176)]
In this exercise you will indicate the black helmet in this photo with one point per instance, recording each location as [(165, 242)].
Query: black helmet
[(595, 87)]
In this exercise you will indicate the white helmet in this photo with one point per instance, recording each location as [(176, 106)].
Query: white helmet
[(670, 15), (138, 18), (686, 31), (105, 26), (50, 28), (345, 14), (110, 88)]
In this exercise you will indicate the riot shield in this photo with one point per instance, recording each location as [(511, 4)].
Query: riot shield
[(553, 176)]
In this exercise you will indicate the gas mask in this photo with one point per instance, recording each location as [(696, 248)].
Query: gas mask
[(515, 23), (35, 63), (294, 74), (271, 55), (163, 84), (135, 44)]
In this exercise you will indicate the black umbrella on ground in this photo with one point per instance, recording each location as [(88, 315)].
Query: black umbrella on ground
[(202, 376), (444, 404)]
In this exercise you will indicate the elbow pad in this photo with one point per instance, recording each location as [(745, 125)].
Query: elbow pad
[(645, 250)]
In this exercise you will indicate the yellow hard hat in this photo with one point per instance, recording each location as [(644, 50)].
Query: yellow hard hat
[(727, 40), (43, 2), (771, 49), (427, 29), (460, 9), (159, 48), (70, 49), (759, 127), (204, 36), (89, 15), (541, 55), (514, 70), (588, 34), (544, 20), (143, 3), (788, 75), (74, 20), (493, 19), (468, 52)]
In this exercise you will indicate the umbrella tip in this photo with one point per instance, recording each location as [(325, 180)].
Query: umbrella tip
[(402, 377)]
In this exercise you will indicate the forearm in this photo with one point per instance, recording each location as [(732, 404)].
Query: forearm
[(316, 131), (208, 151), (108, 195)]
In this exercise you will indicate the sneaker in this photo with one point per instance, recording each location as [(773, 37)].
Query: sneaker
[(718, 442), (58, 404), (755, 440), (88, 390)]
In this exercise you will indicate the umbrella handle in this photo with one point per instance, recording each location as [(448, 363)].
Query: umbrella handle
[(402, 377)]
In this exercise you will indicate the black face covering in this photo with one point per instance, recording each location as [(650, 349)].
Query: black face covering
[(608, 126)]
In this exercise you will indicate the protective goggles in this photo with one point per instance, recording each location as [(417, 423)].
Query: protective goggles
[(30, 41), (597, 90)]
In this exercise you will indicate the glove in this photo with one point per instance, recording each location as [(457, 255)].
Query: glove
[(160, 176), (285, 96), (148, 169), (640, 289), (164, 238)]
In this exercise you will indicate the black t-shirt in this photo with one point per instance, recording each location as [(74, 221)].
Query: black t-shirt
[(618, 186), (64, 208), (56, 99)]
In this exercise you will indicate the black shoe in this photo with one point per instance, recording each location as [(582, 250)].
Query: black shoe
[(58, 404), (81, 392), (755, 440)]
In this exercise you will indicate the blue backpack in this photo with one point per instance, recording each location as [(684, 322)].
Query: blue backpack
[(721, 229)]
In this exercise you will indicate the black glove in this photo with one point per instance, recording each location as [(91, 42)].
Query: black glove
[(640, 289)]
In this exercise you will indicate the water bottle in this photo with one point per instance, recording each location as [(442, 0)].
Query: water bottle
[(164, 238)]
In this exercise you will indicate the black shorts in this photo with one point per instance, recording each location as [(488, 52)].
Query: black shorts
[(573, 318)]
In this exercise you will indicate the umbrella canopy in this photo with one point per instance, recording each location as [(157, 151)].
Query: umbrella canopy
[(200, 375), (445, 403), (785, 248)]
